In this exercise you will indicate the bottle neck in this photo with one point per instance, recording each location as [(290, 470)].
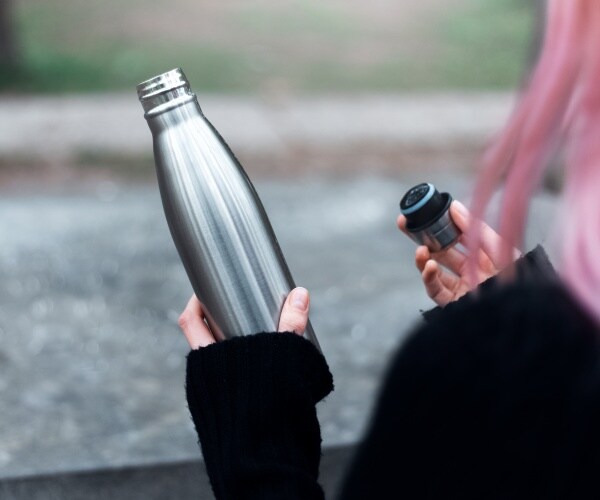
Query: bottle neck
[(165, 101), (173, 112)]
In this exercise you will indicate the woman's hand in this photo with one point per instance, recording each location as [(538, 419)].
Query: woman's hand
[(445, 273), (294, 317)]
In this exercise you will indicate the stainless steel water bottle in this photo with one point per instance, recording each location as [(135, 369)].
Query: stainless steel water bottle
[(215, 216)]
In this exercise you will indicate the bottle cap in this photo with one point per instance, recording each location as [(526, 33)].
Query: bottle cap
[(428, 220)]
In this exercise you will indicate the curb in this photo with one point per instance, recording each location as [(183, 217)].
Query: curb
[(163, 481)]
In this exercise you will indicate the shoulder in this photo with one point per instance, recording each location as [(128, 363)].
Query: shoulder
[(501, 384), (521, 321)]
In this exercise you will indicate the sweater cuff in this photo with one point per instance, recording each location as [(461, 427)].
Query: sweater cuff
[(533, 267), (252, 400), (294, 362)]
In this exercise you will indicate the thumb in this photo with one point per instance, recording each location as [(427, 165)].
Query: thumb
[(294, 315)]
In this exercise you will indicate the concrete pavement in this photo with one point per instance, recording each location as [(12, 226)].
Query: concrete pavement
[(91, 360), (68, 126)]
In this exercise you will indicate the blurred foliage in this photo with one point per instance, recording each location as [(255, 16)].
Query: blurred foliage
[(488, 44), (268, 46)]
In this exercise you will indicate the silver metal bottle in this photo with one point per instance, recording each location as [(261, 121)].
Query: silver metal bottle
[(215, 216)]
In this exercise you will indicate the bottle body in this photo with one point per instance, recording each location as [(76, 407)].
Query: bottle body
[(218, 223)]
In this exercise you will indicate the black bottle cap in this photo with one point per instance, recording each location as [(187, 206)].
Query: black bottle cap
[(422, 205)]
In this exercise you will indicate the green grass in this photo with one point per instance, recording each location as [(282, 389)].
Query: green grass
[(302, 46), (487, 45), (118, 65)]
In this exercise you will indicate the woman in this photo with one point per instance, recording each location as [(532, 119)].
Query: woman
[(497, 394)]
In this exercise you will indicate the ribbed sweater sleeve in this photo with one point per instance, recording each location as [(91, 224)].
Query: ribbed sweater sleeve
[(252, 400), (532, 267)]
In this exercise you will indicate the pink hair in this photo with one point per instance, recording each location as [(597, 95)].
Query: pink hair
[(560, 103)]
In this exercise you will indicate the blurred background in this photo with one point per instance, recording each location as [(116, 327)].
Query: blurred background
[(335, 108), (266, 46)]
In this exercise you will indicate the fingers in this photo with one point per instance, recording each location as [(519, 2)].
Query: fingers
[(486, 266), (456, 261), (422, 255), (451, 259), (460, 215), (294, 318), (491, 241), (444, 284), (193, 326), (294, 315), (434, 284)]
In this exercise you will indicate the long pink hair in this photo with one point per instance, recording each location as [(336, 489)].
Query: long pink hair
[(560, 105)]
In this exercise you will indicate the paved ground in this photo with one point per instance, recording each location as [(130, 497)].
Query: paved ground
[(58, 143), (91, 359)]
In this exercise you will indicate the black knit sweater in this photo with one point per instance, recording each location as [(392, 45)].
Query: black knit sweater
[(253, 401), (496, 396)]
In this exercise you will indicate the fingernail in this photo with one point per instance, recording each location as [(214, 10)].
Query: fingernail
[(299, 299), (462, 210)]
